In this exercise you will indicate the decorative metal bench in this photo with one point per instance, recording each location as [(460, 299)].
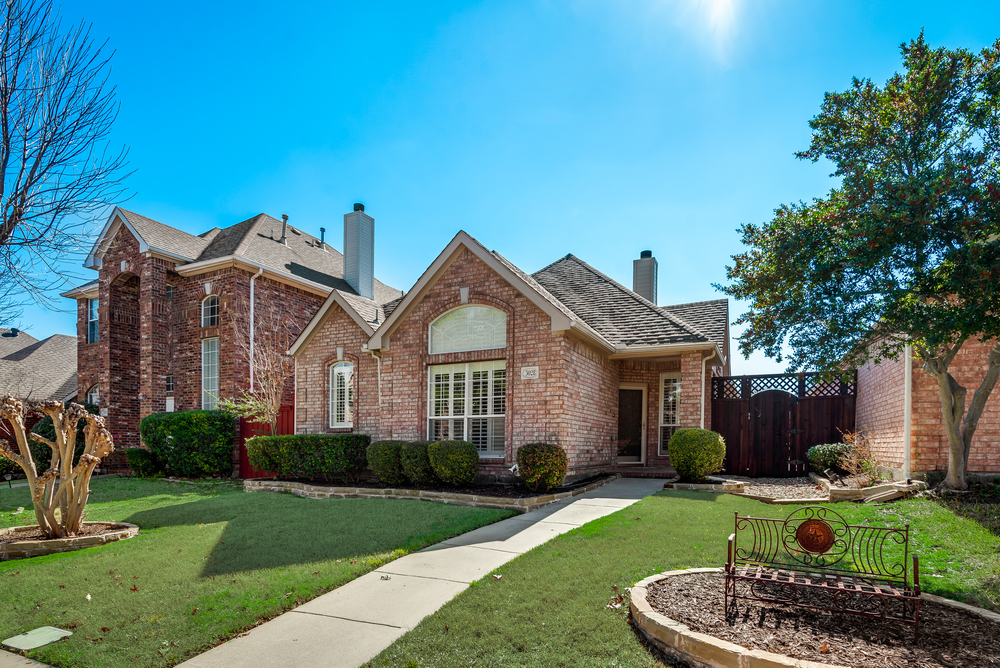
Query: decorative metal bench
[(815, 559)]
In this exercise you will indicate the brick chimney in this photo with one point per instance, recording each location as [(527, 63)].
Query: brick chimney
[(644, 275), (359, 251)]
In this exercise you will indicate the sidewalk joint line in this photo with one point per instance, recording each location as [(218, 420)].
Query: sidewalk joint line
[(346, 619)]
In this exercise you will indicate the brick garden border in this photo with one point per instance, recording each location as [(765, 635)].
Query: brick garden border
[(23, 549), (318, 492), (705, 651)]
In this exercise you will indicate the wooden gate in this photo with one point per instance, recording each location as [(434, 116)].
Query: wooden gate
[(286, 425), (770, 421)]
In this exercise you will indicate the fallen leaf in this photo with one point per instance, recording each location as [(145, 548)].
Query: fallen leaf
[(825, 648), (194, 611), (135, 587), (314, 573), (62, 586), (497, 576), (104, 629)]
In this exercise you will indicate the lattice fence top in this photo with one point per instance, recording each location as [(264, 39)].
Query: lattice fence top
[(801, 385)]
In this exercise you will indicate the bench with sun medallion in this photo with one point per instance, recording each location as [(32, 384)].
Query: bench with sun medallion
[(815, 559)]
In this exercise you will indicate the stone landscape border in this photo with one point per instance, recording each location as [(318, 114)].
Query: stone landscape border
[(705, 651), (884, 492), (23, 549), (711, 484), (319, 492)]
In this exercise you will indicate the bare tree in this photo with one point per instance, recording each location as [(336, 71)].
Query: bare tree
[(59, 174), (60, 492), (262, 339)]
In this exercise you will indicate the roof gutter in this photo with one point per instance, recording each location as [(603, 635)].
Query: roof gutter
[(623, 351), (250, 265)]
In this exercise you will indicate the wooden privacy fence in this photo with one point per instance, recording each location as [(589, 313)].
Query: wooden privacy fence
[(286, 425), (769, 421)]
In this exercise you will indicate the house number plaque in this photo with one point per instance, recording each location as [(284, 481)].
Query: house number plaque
[(529, 373)]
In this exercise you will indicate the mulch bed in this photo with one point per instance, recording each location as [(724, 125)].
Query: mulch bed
[(949, 637), (498, 490), (95, 529)]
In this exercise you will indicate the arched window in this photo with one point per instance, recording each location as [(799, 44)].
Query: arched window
[(93, 395), (469, 328), (210, 311), (342, 395)]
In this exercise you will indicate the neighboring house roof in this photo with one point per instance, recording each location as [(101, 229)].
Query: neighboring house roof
[(710, 317), (33, 369), (254, 241), (619, 314)]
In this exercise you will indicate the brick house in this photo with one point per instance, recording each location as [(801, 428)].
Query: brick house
[(479, 350), (154, 331), (899, 407)]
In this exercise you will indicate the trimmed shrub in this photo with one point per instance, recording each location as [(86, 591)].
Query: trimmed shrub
[(42, 454), (696, 453), (542, 465), (143, 462), (455, 462), (827, 456), (191, 444), (383, 460), (310, 455), (417, 464)]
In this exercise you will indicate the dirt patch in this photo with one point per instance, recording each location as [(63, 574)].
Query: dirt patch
[(34, 533), (496, 490), (949, 638)]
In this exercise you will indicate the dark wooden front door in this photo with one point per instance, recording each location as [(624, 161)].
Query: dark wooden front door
[(630, 425)]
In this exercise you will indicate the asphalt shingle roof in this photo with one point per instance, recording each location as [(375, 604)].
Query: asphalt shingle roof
[(164, 237), (33, 369), (621, 315), (710, 317)]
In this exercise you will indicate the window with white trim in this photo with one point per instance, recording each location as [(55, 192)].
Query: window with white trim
[(468, 402), (169, 381), (342, 395), (93, 395), (670, 399), (469, 328), (209, 374), (210, 311), (92, 320)]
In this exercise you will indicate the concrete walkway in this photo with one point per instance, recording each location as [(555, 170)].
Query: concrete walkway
[(351, 624)]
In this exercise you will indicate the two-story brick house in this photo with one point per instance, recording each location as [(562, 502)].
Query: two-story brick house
[(154, 332), (479, 350)]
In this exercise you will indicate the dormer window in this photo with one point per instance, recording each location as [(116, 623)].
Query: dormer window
[(210, 311), (469, 328)]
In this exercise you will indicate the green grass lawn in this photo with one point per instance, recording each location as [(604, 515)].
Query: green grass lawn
[(550, 607), (211, 560)]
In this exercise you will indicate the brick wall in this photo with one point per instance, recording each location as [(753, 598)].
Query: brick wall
[(880, 408), (146, 335)]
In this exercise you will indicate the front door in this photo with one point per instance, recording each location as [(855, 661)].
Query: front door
[(631, 424)]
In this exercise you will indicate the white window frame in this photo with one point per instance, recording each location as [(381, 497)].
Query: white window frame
[(168, 383), (209, 382), (93, 320), (668, 419), (342, 403), (93, 395), (208, 318), (431, 328), (463, 415)]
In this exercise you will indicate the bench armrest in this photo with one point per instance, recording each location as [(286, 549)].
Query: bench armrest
[(729, 551), (916, 575)]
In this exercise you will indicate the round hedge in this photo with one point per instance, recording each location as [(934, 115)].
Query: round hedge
[(384, 461), (417, 465), (696, 453), (827, 456), (541, 465), (143, 462), (455, 462)]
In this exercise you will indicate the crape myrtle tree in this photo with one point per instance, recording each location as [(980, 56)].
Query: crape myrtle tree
[(60, 486), (57, 173), (906, 250)]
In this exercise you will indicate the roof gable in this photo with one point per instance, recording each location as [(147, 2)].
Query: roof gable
[(153, 236)]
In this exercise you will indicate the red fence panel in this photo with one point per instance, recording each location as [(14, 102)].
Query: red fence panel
[(286, 425)]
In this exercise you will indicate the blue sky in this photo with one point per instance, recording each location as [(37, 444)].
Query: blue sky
[(541, 128)]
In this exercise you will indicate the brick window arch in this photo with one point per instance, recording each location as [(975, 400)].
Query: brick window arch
[(466, 328)]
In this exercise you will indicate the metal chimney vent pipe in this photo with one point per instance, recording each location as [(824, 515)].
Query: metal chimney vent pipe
[(358, 206), (284, 227), (322, 237)]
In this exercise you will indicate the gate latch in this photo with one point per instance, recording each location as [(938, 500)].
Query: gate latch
[(796, 431)]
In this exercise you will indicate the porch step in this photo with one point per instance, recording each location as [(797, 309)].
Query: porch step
[(644, 471)]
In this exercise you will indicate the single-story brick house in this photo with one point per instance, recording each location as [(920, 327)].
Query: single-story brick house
[(899, 407), (480, 350)]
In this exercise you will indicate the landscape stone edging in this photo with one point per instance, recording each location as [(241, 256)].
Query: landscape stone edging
[(23, 549), (674, 638), (699, 649), (714, 484), (845, 494), (318, 492)]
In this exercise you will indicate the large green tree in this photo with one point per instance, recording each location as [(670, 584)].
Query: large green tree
[(906, 249)]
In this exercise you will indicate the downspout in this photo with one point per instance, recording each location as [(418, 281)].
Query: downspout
[(704, 359), (252, 324), (907, 407), (378, 363)]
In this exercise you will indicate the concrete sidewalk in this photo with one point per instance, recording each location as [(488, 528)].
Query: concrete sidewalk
[(351, 624)]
